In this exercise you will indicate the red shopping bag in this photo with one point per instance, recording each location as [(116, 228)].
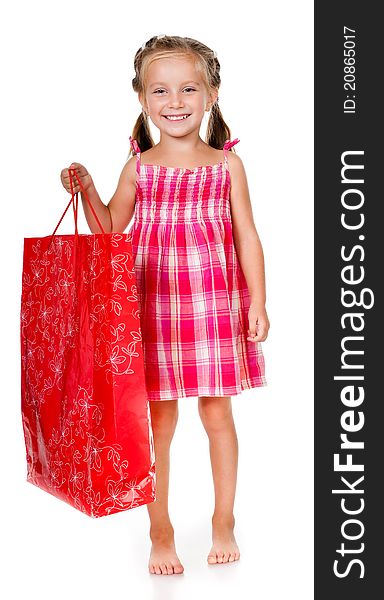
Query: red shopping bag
[(85, 412)]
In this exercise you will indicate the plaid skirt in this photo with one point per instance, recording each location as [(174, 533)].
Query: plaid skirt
[(192, 293)]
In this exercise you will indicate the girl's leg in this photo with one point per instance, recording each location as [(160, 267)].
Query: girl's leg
[(163, 559), (216, 416)]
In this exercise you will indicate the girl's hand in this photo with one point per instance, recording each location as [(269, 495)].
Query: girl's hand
[(258, 324), (82, 174)]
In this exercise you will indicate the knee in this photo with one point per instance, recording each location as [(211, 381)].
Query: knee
[(164, 417), (215, 413)]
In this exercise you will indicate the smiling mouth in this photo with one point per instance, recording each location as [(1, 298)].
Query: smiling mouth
[(176, 117)]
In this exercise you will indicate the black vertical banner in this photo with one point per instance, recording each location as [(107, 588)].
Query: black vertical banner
[(349, 349)]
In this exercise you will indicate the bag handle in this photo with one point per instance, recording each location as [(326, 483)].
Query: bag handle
[(75, 202)]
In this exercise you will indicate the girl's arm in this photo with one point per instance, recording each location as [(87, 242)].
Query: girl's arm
[(122, 204), (248, 245), (246, 238), (116, 216)]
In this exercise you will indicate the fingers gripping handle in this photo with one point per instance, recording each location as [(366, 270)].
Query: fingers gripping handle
[(86, 197), (75, 202)]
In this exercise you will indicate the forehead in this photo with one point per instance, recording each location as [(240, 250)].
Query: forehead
[(173, 70)]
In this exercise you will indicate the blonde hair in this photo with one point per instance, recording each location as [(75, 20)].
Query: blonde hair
[(206, 63)]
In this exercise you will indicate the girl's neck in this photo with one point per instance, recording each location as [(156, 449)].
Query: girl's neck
[(186, 146)]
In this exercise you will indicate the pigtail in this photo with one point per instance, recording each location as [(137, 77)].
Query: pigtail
[(217, 130), (142, 134)]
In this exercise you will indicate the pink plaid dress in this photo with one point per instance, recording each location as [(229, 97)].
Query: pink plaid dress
[(193, 296)]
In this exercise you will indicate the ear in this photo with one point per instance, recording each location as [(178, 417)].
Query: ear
[(142, 102), (213, 95)]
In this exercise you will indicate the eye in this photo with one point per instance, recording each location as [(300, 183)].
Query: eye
[(159, 91)]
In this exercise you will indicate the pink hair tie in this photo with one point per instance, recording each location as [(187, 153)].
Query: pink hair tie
[(228, 144), (134, 145)]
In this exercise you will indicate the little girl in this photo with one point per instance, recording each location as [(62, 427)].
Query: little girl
[(199, 267)]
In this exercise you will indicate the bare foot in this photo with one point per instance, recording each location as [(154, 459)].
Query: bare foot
[(163, 559), (224, 548)]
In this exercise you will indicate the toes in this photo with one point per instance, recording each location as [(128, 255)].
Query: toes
[(178, 568), (165, 568), (221, 556)]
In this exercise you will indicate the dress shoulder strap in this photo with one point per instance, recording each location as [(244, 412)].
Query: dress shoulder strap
[(137, 151), (228, 144)]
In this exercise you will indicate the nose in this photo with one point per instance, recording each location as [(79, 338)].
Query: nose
[(175, 100)]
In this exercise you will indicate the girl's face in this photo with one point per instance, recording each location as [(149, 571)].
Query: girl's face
[(175, 89)]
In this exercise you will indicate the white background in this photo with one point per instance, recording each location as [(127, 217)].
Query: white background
[(67, 96)]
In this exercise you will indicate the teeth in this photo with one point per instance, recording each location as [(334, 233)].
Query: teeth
[(177, 118)]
